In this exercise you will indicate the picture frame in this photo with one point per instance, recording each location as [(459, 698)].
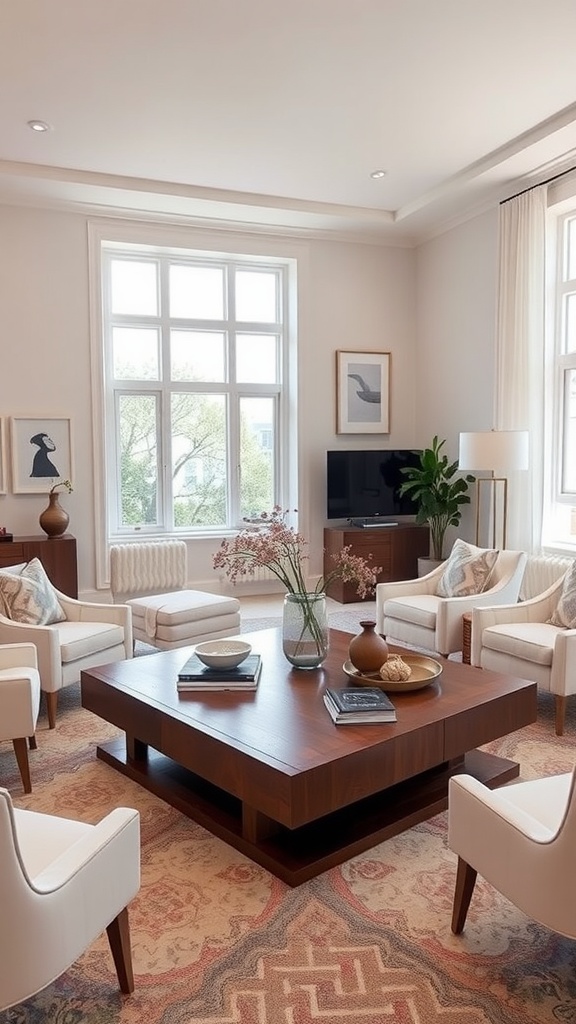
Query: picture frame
[(362, 392), (41, 452), (3, 481)]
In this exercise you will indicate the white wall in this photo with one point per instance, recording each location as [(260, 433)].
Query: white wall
[(353, 297), (455, 354)]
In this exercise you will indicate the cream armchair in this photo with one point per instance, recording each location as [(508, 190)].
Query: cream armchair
[(521, 839), (518, 639), (19, 702), (410, 611), (91, 634), (62, 883)]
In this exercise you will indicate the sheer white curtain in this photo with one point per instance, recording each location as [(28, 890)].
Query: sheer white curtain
[(519, 393)]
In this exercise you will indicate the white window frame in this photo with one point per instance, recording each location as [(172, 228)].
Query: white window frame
[(558, 499), (136, 237)]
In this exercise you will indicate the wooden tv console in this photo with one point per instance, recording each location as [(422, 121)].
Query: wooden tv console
[(395, 548)]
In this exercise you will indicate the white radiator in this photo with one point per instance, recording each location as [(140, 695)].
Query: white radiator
[(541, 572), (148, 568)]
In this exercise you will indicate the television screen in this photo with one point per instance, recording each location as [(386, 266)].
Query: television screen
[(366, 484)]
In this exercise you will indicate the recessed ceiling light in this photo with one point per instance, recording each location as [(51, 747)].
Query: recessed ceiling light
[(39, 126), (379, 174)]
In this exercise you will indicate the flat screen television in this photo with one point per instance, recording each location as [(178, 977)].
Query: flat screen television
[(364, 485)]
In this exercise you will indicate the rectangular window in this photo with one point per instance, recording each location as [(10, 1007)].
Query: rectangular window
[(194, 355)]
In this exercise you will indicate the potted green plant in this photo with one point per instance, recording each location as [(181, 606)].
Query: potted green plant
[(439, 493)]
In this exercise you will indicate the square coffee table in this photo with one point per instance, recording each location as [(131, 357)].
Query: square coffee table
[(270, 773)]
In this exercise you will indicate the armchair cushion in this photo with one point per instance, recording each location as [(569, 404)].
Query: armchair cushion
[(29, 597), (565, 612), (531, 641), (82, 639), (467, 570)]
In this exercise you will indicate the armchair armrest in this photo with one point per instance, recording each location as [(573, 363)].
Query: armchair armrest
[(563, 673), (118, 832), (18, 655), (45, 639)]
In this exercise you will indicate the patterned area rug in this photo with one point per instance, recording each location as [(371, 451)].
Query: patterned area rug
[(218, 940)]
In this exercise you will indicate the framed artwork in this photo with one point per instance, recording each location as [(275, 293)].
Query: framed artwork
[(2, 456), (362, 392), (41, 453)]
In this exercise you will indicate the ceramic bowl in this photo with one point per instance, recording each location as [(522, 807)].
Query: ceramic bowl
[(223, 653)]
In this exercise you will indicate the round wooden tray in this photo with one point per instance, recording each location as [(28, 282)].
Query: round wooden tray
[(424, 671)]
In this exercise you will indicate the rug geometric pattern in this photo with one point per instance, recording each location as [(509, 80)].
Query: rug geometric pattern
[(218, 940)]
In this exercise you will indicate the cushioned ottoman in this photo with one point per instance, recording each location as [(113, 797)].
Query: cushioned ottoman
[(184, 617)]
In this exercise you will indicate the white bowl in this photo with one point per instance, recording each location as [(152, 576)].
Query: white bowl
[(224, 654)]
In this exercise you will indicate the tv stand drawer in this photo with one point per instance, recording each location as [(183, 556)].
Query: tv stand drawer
[(396, 551)]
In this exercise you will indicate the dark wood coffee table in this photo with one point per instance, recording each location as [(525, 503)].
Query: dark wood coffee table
[(271, 774)]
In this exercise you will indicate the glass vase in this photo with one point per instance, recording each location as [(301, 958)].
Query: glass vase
[(305, 630)]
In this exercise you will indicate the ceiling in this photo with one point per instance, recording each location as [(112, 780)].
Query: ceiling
[(274, 114)]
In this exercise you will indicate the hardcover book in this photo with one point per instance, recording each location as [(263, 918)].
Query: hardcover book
[(360, 707), (195, 675)]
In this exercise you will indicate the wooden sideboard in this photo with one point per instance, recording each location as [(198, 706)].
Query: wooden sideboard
[(395, 548), (57, 554)]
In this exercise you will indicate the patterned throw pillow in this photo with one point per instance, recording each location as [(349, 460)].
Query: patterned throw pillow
[(467, 571), (565, 612), (29, 597)]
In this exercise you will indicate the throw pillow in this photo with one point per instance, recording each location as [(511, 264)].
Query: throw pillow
[(565, 612), (467, 571), (30, 598)]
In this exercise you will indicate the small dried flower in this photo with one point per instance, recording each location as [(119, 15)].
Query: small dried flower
[(282, 550), (62, 483)]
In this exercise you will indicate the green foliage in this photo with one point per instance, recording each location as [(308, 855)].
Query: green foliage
[(439, 493), (198, 462)]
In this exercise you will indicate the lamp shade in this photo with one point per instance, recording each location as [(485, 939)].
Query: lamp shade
[(496, 450)]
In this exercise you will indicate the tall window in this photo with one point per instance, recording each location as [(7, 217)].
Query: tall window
[(561, 526), (194, 360)]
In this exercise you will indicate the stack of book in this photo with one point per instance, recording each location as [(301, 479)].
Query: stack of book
[(357, 705), (194, 675)]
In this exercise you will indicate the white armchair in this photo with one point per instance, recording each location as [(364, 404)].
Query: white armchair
[(62, 883), (521, 839), (19, 702), (518, 639), (91, 634), (410, 611)]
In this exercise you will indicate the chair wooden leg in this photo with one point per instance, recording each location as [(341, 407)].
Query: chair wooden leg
[(560, 710), (119, 938), (32, 742), (21, 751), (465, 881), (51, 704)]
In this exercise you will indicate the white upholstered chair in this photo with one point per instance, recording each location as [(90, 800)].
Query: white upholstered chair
[(62, 883), (410, 611), (91, 634), (520, 838), (19, 702), (518, 639)]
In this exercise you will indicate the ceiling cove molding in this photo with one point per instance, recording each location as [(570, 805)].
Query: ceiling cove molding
[(544, 130)]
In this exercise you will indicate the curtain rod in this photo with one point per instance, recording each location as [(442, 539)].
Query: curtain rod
[(547, 181)]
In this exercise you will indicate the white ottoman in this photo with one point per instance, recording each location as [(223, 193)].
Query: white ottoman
[(184, 617), (19, 702)]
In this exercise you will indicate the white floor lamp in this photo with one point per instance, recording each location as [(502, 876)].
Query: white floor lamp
[(499, 452)]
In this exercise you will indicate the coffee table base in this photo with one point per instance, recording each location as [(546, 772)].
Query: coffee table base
[(297, 855)]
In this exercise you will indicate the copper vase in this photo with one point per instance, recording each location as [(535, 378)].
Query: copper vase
[(368, 650), (54, 519)]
